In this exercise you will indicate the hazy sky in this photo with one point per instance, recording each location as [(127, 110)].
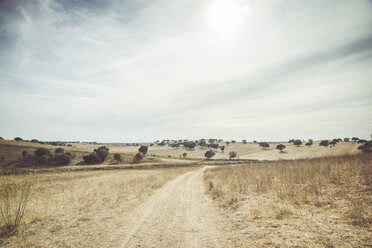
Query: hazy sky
[(142, 70)]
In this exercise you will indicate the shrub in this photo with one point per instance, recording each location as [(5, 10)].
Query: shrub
[(34, 141), (346, 139), (118, 157), (24, 154), (41, 151), (232, 155), (184, 154), (244, 141), (280, 147), (18, 139), (59, 150), (209, 154), (62, 158), (297, 142), (14, 195), (222, 148), (143, 149), (366, 147), (92, 158), (309, 143)]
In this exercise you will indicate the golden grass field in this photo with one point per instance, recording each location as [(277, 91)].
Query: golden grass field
[(323, 202), (307, 197)]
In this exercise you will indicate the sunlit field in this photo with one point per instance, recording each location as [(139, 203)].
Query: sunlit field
[(325, 202)]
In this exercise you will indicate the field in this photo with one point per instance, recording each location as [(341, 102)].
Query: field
[(309, 196)]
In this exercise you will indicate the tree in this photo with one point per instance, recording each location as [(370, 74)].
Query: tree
[(280, 147), (62, 158), (184, 154), (297, 142), (143, 149), (346, 139), (222, 148), (366, 147), (232, 155), (324, 143), (291, 141), (34, 141), (354, 139), (102, 152), (209, 154), (244, 141), (92, 158), (254, 141), (309, 143), (18, 139), (264, 145), (118, 157), (228, 143)]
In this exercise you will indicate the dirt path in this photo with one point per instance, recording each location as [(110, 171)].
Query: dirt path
[(178, 215)]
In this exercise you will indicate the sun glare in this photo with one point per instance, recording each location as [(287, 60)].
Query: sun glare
[(224, 15)]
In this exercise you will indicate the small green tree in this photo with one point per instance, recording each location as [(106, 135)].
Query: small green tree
[(18, 139), (297, 142), (184, 154), (222, 148), (24, 154), (244, 141), (264, 145), (138, 157), (232, 155), (118, 157), (209, 154)]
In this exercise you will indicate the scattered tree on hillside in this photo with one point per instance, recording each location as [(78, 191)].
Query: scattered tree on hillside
[(63, 158), (280, 147), (102, 152), (233, 141), (18, 139), (354, 139), (297, 142), (228, 143), (324, 143), (118, 157), (254, 141), (232, 155), (41, 151), (346, 139), (34, 141), (361, 141), (143, 149), (244, 141), (291, 141), (209, 154), (264, 145), (190, 145), (97, 156), (184, 155), (309, 143), (222, 148)]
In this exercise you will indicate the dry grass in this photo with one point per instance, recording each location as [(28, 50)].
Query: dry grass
[(81, 209), (324, 201)]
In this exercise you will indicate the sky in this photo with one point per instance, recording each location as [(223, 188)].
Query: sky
[(141, 70)]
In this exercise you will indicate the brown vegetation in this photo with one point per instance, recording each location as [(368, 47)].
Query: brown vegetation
[(324, 201)]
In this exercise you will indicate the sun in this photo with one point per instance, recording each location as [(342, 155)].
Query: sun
[(224, 15)]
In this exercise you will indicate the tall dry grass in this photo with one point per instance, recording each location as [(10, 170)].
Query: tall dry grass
[(14, 196), (318, 182)]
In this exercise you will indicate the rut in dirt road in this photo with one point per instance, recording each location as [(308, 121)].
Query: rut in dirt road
[(178, 215)]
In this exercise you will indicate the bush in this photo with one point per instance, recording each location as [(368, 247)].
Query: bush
[(62, 159), (41, 151), (92, 158), (34, 141), (244, 141), (209, 154), (18, 139), (138, 157), (59, 150), (222, 148), (309, 143), (143, 150), (184, 154), (44, 159), (14, 195), (232, 155), (24, 154), (366, 147), (118, 157)]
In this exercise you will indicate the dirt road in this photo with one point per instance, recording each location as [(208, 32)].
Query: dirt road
[(178, 215)]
